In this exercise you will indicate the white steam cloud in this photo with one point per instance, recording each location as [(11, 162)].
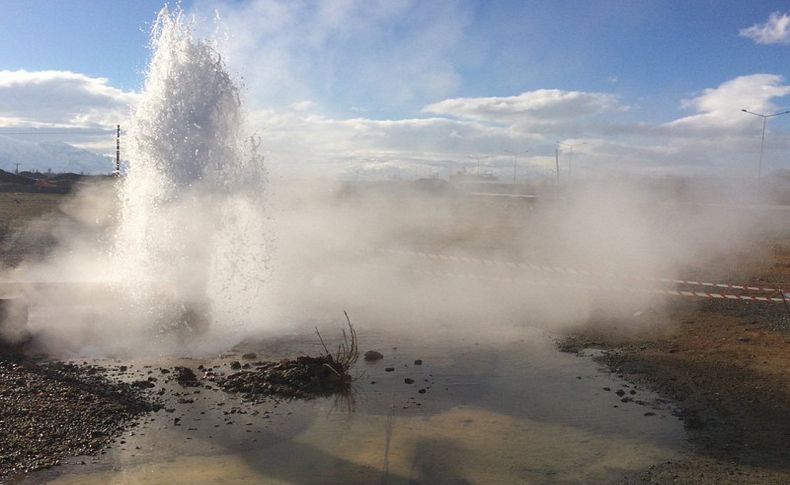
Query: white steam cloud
[(198, 252)]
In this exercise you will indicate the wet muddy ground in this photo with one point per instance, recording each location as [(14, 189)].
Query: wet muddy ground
[(470, 412)]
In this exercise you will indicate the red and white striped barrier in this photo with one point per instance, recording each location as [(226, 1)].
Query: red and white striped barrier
[(569, 271)]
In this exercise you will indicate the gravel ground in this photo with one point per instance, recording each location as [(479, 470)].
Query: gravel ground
[(53, 410)]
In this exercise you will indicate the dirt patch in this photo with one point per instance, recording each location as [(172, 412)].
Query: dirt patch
[(726, 365), (304, 377)]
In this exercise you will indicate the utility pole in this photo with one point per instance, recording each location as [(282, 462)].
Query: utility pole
[(16, 170), (570, 154), (762, 137), (118, 151), (557, 164), (515, 162)]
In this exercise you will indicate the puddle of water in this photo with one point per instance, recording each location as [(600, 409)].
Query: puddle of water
[(513, 413)]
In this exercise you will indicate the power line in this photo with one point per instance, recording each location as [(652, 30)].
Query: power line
[(104, 132)]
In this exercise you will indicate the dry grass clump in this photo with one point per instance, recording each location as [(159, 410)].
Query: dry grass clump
[(347, 352)]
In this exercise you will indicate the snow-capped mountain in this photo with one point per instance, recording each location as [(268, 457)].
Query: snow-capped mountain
[(57, 156)]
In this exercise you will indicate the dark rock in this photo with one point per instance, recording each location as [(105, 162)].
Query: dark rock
[(235, 365), (372, 356), (389, 369), (250, 356), (620, 392), (185, 376), (418, 362), (408, 380), (143, 384)]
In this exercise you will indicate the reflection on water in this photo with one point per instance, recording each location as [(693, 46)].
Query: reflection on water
[(476, 413)]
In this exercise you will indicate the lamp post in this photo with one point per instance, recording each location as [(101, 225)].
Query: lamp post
[(478, 159), (570, 155), (515, 162), (762, 137), (557, 164)]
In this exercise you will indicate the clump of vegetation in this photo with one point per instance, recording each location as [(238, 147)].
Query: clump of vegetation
[(304, 377), (347, 353)]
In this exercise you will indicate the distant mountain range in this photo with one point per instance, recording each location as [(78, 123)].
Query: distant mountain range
[(56, 156)]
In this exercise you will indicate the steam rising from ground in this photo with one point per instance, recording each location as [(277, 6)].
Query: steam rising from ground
[(180, 251), (615, 228)]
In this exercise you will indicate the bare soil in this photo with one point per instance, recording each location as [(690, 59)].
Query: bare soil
[(725, 364)]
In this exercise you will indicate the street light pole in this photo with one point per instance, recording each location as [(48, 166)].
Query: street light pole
[(557, 163), (570, 154), (515, 162), (762, 137)]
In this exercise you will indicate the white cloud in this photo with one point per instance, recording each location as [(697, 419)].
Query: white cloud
[(387, 53), (545, 105), (720, 107), (776, 30), (303, 105), (453, 132), (462, 129), (62, 99), (340, 140)]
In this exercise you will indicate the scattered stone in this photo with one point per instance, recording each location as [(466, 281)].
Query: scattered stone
[(650, 413), (372, 356), (620, 392), (250, 356), (185, 376), (422, 391), (389, 369), (235, 365), (143, 384), (408, 380), (418, 362)]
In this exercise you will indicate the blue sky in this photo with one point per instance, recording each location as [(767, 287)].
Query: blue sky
[(334, 69)]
